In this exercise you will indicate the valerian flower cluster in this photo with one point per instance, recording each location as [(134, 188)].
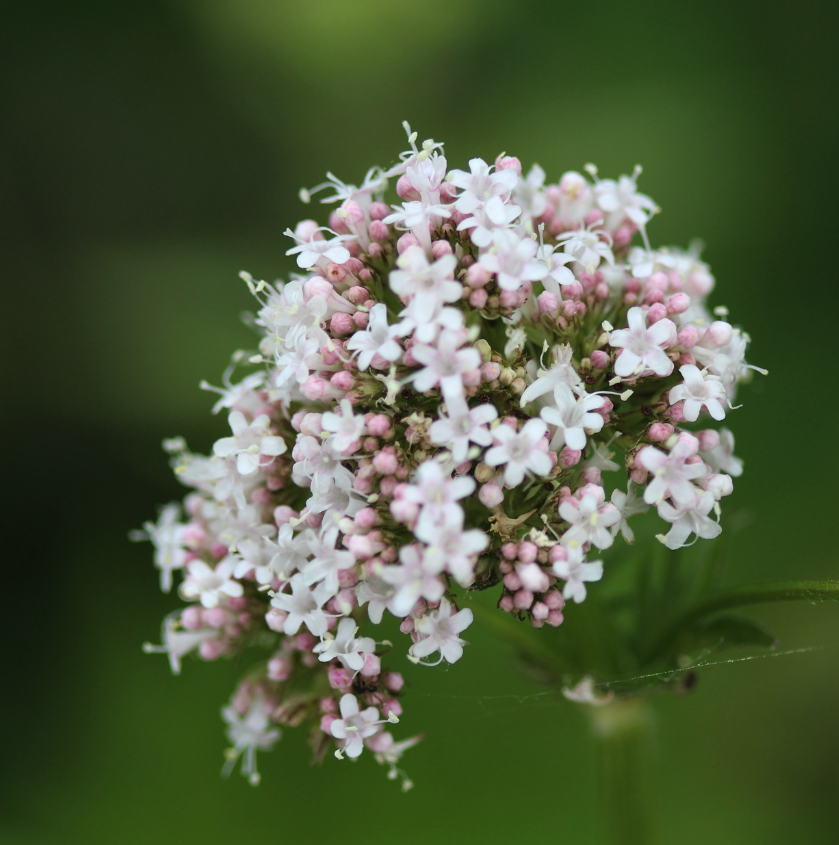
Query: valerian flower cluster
[(438, 394)]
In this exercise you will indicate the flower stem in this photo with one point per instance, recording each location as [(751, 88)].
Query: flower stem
[(623, 731)]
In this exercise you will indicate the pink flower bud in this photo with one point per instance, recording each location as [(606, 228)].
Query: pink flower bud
[(599, 359), (218, 550), (548, 303), (308, 229), (491, 494), (191, 618), (394, 681), (554, 600), (441, 248), (341, 323), (523, 599), (508, 163), (719, 334), (490, 371), (638, 475), (687, 337), (328, 705), (591, 475), (532, 576), (405, 242), (357, 295), (403, 511), (506, 603), (406, 189), (622, 237), (527, 551), (372, 666), (708, 439), (678, 303), (658, 432), (339, 678), (478, 298), (658, 311), (378, 210), (593, 217), (540, 610), (570, 457), (275, 619), (342, 380), (338, 224), (360, 319), (314, 388), (555, 618), (478, 276), (512, 581), (211, 649), (279, 668), (386, 462), (676, 412), (390, 705)]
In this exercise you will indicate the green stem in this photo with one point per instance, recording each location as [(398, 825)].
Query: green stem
[(623, 731), (812, 591)]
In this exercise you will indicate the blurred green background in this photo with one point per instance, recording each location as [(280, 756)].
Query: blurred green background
[(149, 150)]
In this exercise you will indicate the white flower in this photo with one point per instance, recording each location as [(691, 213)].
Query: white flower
[(573, 416), (628, 505), (437, 493), (494, 214), (463, 425), (420, 217), (519, 452), (590, 520), (178, 642), (529, 193), (690, 519), (167, 537), (453, 549), (326, 560), (232, 525), (587, 247), (297, 357), (445, 363), (642, 348), (378, 593), (576, 571), (621, 200), (672, 475), (562, 372), (350, 651), (242, 394), (699, 388), (513, 260), (348, 428), (721, 458), (317, 250), (481, 184), (426, 286), (211, 584), (412, 581), (318, 460), (557, 274), (250, 443), (354, 727), (378, 339), (438, 631), (262, 556), (575, 198), (247, 734), (303, 606), (601, 458)]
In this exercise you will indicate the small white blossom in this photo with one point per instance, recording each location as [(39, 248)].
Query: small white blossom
[(248, 734), (494, 214), (462, 426), (178, 642), (576, 571), (437, 494), (481, 184), (699, 388), (573, 416), (628, 505), (562, 372), (642, 348), (376, 594), (350, 651), (721, 458), (327, 561), (519, 452), (378, 339), (209, 584), (354, 727), (620, 199), (590, 520), (444, 364), (425, 286), (452, 549), (303, 606), (167, 537), (672, 474), (412, 581), (588, 247), (513, 260), (529, 193), (439, 631), (690, 519), (317, 250), (347, 428)]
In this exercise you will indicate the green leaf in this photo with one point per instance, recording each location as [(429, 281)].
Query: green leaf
[(723, 632), (812, 591)]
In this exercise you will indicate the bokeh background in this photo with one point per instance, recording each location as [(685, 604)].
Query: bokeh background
[(151, 149)]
